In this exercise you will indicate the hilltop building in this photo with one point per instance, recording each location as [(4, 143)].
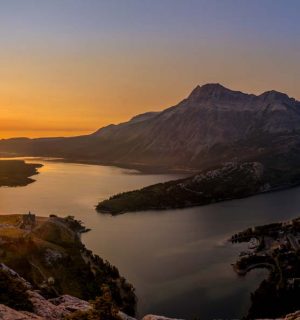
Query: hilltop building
[(28, 221)]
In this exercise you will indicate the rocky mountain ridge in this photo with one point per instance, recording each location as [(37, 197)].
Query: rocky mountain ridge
[(211, 126)]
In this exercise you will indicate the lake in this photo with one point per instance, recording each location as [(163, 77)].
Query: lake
[(178, 260)]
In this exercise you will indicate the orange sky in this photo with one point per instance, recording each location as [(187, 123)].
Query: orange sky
[(73, 72)]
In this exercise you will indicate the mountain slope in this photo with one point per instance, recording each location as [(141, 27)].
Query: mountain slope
[(211, 121), (211, 126), (232, 181)]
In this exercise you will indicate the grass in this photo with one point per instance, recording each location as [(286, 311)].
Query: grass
[(12, 233), (10, 219)]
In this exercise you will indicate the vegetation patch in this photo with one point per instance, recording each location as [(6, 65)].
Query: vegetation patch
[(14, 173)]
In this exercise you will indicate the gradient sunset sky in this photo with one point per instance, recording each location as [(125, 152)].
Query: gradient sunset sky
[(69, 67)]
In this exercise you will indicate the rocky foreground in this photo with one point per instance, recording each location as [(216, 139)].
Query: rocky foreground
[(47, 271), (63, 307)]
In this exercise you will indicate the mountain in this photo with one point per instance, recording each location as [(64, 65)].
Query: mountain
[(211, 126)]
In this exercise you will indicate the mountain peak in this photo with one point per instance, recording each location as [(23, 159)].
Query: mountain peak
[(274, 95), (209, 90), (213, 87)]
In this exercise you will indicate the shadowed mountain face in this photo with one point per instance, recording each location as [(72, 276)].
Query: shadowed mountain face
[(211, 126)]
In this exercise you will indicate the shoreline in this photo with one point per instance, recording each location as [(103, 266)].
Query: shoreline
[(140, 168), (191, 205), (277, 250)]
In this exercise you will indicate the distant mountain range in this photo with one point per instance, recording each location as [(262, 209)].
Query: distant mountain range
[(213, 125)]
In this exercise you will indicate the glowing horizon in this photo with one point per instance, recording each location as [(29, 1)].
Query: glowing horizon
[(69, 68)]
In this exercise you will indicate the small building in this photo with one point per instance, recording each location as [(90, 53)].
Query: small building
[(28, 221)]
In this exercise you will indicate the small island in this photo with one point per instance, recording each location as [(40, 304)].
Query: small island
[(45, 269), (17, 173), (275, 247)]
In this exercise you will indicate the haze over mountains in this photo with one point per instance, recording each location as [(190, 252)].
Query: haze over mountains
[(211, 126)]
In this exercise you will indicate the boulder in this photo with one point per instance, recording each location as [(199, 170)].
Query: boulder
[(69, 303), (58, 308), (124, 316), (7, 313), (155, 317), (293, 316)]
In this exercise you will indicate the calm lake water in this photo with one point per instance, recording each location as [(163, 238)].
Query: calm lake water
[(178, 260)]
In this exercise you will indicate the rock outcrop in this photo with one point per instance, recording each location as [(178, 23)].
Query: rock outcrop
[(40, 307), (293, 316), (155, 317), (58, 308), (7, 313)]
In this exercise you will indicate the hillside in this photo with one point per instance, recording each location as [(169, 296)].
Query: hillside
[(231, 181), (48, 253), (211, 126)]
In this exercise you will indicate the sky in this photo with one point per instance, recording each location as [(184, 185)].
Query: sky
[(69, 67)]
